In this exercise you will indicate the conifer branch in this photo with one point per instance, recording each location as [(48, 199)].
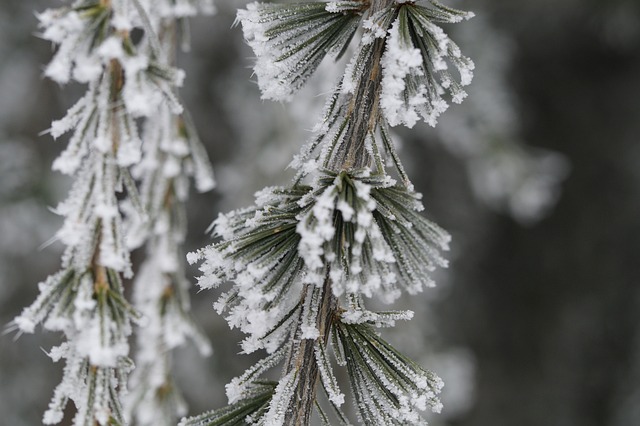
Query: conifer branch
[(171, 156), (128, 82), (304, 258)]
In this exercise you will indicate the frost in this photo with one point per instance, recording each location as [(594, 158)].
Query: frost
[(309, 332), (111, 48), (346, 210), (288, 54), (316, 228), (281, 400), (87, 69), (415, 78), (25, 324), (59, 69), (357, 202), (304, 258), (375, 29), (399, 62)]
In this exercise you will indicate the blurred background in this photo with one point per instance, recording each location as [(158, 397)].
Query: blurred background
[(536, 175)]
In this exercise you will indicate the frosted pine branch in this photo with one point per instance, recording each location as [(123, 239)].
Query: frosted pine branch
[(172, 155), (125, 81), (297, 239), (304, 259)]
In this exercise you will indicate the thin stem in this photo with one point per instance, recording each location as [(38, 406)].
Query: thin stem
[(364, 115), (363, 108), (303, 359)]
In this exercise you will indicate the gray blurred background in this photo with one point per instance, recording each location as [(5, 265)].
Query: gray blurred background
[(536, 175)]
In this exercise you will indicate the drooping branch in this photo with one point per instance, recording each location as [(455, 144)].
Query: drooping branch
[(305, 257), (128, 81)]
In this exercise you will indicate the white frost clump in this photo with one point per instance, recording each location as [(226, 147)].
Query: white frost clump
[(398, 62), (373, 30), (358, 257), (316, 229), (415, 79), (317, 236)]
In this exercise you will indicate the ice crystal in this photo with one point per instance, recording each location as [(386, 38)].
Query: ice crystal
[(262, 277), (309, 229), (360, 233), (247, 411), (329, 381), (281, 399)]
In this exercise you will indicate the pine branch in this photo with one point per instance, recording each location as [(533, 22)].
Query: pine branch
[(172, 154), (127, 82), (303, 258)]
